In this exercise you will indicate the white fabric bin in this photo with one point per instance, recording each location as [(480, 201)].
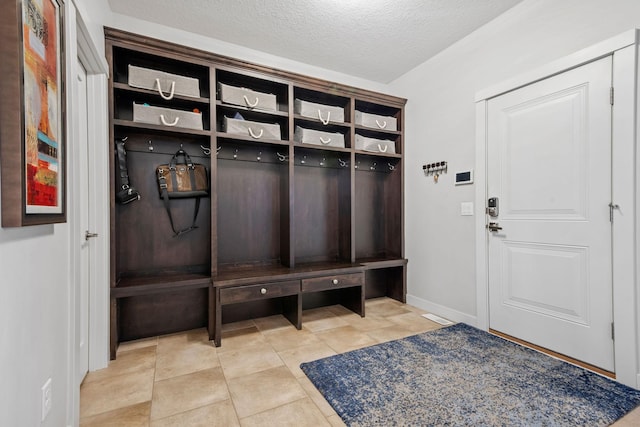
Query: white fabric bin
[(166, 84), (375, 145), (316, 137), (247, 97), (255, 130), (166, 117), (324, 113), (375, 121)]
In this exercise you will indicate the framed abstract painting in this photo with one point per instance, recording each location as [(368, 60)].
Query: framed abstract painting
[(32, 114)]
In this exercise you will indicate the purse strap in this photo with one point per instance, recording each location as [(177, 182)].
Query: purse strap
[(122, 164), (164, 194), (127, 193), (165, 200), (187, 159)]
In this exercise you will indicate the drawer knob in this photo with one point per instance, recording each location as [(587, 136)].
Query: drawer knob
[(263, 291), (335, 281)]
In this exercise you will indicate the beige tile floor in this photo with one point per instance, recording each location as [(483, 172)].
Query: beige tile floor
[(253, 379)]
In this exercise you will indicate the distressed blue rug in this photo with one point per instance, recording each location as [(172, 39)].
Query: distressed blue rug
[(462, 376)]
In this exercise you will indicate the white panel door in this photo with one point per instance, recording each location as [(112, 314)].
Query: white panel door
[(549, 164)]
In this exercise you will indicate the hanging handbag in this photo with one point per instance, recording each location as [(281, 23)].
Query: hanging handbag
[(180, 181)]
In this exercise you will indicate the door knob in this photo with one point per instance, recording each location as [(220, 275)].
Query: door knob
[(88, 235), (494, 226)]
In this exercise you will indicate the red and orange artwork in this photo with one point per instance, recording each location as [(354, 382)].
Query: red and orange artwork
[(42, 106)]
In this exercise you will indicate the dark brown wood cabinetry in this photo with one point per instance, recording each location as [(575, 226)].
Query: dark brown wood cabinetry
[(293, 220)]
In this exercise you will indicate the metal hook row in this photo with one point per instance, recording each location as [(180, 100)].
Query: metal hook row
[(283, 157), (374, 166)]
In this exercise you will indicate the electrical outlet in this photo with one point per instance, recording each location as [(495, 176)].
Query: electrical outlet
[(46, 398)]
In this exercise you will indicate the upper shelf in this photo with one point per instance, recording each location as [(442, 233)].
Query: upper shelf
[(265, 113), (364, 130), (126, 87)]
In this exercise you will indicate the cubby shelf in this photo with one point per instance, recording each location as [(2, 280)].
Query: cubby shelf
[(381, 132), (147, 285), (174, 131), (287, 225), (152, 93)]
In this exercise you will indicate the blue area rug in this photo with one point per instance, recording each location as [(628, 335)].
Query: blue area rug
[(462, 376)]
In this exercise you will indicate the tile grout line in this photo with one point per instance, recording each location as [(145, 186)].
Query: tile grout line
[(226, 383), (155, 372)]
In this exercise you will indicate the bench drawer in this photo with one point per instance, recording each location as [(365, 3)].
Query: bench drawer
[(332, 282), (260, 291)]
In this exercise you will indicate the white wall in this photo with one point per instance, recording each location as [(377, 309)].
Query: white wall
[(440, 119), (34, 302), (94, 13)]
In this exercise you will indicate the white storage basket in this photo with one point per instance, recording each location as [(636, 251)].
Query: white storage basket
[(324, 113), (375, 121), (316, 137), (255, 130), (166, 84), (247, 97), (166, 117), (375, 145)]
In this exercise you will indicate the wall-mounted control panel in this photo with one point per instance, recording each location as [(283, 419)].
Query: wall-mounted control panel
[(464, 177)]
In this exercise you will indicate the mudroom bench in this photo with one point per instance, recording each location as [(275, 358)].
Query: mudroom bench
[(283, 290)]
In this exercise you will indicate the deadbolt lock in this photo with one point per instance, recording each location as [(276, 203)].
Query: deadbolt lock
[(492, 207)]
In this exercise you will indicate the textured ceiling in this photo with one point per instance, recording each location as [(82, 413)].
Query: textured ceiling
[(378, 40)]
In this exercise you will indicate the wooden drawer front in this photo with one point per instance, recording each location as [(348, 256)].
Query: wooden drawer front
[(257, 292), (332, 282)]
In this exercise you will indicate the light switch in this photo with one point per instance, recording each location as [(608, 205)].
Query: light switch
[(466, 208)]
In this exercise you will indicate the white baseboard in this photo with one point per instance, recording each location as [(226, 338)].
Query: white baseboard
[(442, 311)]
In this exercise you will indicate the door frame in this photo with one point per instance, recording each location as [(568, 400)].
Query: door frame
[(625, 191), (80, 46), (97, 114)]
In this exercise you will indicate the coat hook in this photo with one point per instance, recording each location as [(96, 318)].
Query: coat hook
[(304, 160), (373, 166), (150, 145), (206, 150), (235, 155), (357, 165), (391, 167), (322, 161), (343, 163), (259, 156), (281, 157), (218, 150)]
